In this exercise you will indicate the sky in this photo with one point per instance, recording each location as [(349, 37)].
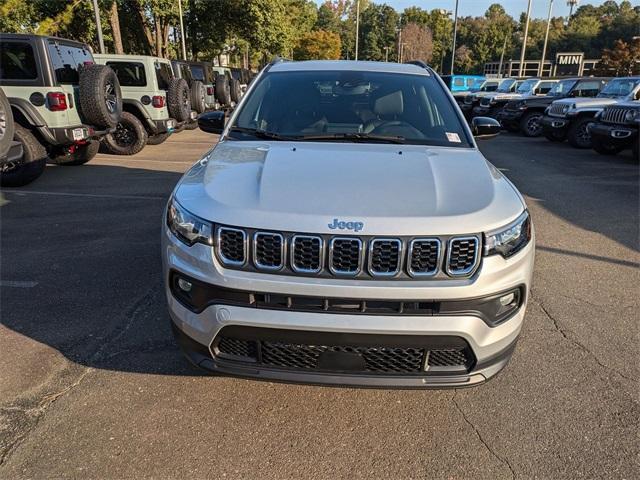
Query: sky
[(474, 8)]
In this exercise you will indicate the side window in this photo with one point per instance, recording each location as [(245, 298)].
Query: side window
[(17, 61), (130, 74), (545, 87), (471, 82), (587, 89), (458, 82), (164, 74), (198, 73), (66, 59)]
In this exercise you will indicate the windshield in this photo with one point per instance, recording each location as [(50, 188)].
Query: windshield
[(620, 87), (506, 85), (527, 86), (358, 106), (561, 88)]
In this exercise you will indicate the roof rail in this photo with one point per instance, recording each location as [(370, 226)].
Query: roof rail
[(421, 64)]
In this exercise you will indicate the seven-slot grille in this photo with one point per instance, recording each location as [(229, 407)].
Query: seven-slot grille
[(485, 102), (347, 256), (469, 99), (268, 250), (614, 115), (462, 256), (557, 109)]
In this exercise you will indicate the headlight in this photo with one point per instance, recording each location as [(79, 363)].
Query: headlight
[(631, 115), (187, 227), (509, 240), (522, 104)]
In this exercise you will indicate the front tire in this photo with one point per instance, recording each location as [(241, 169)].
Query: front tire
[(578, 135), (33, 163), (530, 124), (129, 138), (158, 139)]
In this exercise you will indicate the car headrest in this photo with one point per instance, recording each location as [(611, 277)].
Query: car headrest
[(389, 105)]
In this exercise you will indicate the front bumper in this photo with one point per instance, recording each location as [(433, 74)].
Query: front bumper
[(510, 117), (490, 347), (618, 135), (164, 126), (554, 124), (484, 111)]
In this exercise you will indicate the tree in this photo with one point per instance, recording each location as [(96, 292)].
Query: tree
[(464, 59), (318, 45), (418, 42), (622, 60)]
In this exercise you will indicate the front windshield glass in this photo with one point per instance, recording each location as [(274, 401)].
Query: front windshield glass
[(506, 85), (619, 87), (561, 88), (527, 86), (360, 106)]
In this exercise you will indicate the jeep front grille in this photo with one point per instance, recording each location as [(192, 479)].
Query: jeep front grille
[(468, 99), (311, 351), (614, 115), (485, 102), (462, 256), (557, 110), (364, 257)]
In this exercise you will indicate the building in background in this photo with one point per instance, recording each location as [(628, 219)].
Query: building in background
[(566, 64)]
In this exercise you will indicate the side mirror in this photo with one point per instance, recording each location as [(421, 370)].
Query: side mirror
[(485, 127), (212, 122)]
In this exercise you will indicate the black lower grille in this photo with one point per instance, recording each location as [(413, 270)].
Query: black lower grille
[(353, 357)]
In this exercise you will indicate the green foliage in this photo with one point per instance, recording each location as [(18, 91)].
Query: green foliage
[(318, 45)]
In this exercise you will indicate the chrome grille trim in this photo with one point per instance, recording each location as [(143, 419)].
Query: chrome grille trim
[(262, 266), (219, 247), (292, 249), (412, 244), (557, 110), (349, 273), (476, 261), (614, 115), (399, 254)]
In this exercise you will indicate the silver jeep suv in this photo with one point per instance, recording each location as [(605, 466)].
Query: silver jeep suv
[(347, 230)]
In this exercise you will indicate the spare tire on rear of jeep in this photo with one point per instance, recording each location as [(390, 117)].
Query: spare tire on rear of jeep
[(179, 99), (223, 90), (6, 124), (236, 90), (100, 96), (198, 93)]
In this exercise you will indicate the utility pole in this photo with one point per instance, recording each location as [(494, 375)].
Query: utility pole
[(357, 25), (504, 47), (96, 12), (182, 39), (386, 54), (546, 39), (571, 3), (524, 40), (400, 44), (455, 33)]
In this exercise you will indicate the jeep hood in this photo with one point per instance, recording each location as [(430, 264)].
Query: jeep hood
[(588, 102), (392, 189)]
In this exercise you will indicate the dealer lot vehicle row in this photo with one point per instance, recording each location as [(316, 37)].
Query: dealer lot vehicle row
[(63, 104), (99, 343), (588, 112)]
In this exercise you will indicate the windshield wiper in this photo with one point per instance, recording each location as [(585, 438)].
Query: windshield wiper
[(261, 133), (356, 137)]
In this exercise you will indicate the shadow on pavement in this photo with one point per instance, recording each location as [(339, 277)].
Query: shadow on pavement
[(81, 267)]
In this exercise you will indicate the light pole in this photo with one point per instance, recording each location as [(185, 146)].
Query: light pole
[(455, 32), (386, 54), (96, 12), (524, 40), (357, 25), (182, 39), (546, 39), (571, 4)]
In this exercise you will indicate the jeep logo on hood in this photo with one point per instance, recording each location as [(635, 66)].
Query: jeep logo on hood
[(340, 225)]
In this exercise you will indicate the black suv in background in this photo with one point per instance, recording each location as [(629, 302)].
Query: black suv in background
[(525, 114), (616, 129)]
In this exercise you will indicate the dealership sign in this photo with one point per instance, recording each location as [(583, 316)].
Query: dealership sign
[(569, 63)]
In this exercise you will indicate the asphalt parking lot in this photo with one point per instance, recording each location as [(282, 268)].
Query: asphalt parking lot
[(93, 386)]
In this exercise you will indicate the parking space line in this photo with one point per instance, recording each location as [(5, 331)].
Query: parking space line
[(17, 284), (90, 195)]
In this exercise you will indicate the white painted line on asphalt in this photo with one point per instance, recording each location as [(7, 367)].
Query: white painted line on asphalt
[(17, 284), (90, 195)]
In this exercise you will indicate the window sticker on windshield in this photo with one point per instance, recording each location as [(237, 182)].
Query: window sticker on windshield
[(453, 137)]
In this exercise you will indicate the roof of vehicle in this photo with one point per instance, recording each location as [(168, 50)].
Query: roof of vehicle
[(348, 65), (114, 56), (18, 36)]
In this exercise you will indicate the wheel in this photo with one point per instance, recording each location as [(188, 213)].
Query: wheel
[(530, 124), (75, 155), (554, 136), (191, 126), (100, 96), (6, 124), (198, 93), (223, 89), (605, 148), (33, 163), (129, 138), (235, 90), (179, 99), (158, 139), (578, 134)]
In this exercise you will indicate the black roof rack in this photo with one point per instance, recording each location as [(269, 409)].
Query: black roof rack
[(421, 64)]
